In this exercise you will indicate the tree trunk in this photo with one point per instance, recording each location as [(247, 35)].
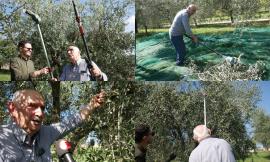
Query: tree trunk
[(56, 101), (195, 22), (119, 122), (145, 28), (231, 16)]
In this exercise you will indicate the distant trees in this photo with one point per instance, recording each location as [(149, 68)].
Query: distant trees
[(156, 14), (261, 123), (238, 8)]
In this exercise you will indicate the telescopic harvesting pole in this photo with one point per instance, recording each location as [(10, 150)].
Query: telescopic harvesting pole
[(88, 60)]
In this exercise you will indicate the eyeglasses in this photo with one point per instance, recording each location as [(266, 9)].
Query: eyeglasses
[(28, 49)]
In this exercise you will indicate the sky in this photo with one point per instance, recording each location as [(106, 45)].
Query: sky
[(265, 98), (130, 24), (130, 21), (264, 87)]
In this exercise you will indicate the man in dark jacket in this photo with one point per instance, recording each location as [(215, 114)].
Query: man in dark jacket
[(22, 67), (143, 137)]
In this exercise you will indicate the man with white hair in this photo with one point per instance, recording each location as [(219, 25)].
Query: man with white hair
[(179, 27), (25, 138), (78, 69), (210, 149)]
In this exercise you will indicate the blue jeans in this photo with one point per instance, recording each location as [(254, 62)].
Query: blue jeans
[(179, 45)]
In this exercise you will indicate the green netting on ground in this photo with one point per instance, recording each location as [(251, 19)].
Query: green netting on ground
[(155, 55)]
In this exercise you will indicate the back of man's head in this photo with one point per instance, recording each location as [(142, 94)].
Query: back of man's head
[(201, 132), (141, 131)]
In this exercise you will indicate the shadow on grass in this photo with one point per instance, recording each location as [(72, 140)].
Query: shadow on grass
[(4, 75), (267, 157), (155, 75)]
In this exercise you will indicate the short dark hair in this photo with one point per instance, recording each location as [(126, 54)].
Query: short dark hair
[(140, 131), (22, 43)]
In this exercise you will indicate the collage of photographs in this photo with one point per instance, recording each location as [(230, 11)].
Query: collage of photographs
[(135, 81)]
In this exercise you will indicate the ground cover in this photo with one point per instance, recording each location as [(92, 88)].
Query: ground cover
[(155, 55)]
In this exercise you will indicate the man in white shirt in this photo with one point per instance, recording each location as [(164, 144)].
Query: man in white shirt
[(78, 69), (210, 149)]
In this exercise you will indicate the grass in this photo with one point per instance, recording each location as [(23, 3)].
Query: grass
[(4, 75), (200, 30), (258, 157)]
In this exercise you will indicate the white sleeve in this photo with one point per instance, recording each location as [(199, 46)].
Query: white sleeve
[(226, 152)]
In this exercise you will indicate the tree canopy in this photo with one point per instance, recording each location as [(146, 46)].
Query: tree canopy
[(261, 123), (173, 109)]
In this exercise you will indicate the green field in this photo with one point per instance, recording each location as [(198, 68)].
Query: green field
[(215, 29), (258, 157), (4, 75), (155, 55)]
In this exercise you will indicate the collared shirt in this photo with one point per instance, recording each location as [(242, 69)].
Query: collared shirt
[(212, 150), (78, 72), (140, 153), (14, 142), (180, 24), (21, 68)]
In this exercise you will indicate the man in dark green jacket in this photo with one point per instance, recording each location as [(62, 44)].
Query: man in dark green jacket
[(143, 137), (22, 67)]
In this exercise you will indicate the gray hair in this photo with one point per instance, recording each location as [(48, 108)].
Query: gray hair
[(201, 132)]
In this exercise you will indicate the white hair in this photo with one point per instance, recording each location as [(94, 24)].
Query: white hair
[(16, 96), (20, 95), (201, 132)]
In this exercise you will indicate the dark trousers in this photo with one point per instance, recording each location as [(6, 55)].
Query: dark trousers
[(179, 45)]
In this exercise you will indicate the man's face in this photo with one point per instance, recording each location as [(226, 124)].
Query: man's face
[(192, 10), (29, 111), (26, 51), (73, 54), (149, 138)]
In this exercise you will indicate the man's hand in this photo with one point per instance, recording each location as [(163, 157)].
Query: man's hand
[(45, 70), (194, 39), (54, 79), (95, 103), (37, 73), (96, 72), (97, 100)]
